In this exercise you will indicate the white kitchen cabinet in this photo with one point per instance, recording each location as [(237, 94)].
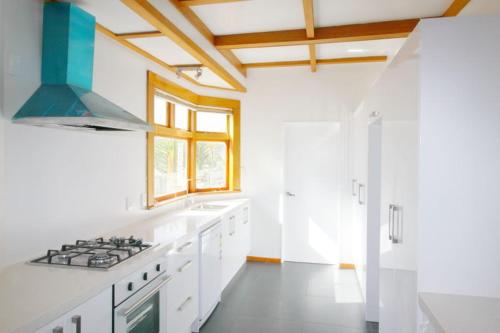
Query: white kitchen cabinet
[(236, 233), (182, 290), (93, 316)]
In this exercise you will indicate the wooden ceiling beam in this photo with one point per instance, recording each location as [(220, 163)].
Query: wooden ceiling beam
[(455, 8), (144, 34), (353, 60), (335, 34), (149, 13), (188, 3), (309, 19), (312, 58), (196, 22)]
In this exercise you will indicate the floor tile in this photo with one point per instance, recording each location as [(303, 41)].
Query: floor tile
[(291, 298)]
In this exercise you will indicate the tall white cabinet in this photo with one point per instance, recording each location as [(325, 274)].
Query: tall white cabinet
[(438, 107)]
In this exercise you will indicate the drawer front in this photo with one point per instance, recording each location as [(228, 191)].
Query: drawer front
[(183, 253), (182, 297)]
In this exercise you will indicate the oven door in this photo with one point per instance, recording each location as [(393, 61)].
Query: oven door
[(145, 311)]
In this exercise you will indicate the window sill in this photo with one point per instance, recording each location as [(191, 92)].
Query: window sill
[(184, 197)]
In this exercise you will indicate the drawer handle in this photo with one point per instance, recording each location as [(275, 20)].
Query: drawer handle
[(183, 267), (58, 329), (185, 246), (77, 320), (183, 305)]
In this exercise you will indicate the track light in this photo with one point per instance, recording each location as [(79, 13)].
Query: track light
[(197, 69)]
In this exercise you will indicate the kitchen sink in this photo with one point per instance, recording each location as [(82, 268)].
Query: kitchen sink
[(208, 207)]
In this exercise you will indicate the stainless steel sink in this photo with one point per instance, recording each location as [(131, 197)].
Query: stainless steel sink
[(208, 207)]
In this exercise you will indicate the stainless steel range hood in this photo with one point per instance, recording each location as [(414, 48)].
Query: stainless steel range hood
[(65, 98)]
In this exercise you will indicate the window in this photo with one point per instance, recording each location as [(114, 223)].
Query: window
[(190, 150), (211, 162), (211, 122), (170, 161)]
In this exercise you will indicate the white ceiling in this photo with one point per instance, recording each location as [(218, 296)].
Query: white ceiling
[(268, 54), (209, 78), (482, 7), (339, 12), (164, 49), (252, 16), (388, 47), (114, 15)]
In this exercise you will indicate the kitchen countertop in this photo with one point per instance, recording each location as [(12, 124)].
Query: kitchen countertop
[(32, 296), (461, 314)]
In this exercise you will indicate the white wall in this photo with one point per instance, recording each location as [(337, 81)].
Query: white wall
[(459, 224), (276, 96), (64, 185)]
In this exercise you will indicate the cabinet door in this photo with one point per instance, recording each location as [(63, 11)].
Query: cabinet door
[(93, 316), (230, 257), (246, 232)]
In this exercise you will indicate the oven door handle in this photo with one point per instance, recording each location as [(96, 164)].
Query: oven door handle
[(144, 298)]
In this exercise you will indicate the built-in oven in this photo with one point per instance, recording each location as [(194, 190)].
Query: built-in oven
[(140, 300)]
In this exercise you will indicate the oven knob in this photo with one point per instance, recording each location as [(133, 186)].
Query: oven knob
[(145, 276), (130, 286), (158, 267)]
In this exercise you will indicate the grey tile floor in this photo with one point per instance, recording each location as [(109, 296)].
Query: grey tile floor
[(291, 298)]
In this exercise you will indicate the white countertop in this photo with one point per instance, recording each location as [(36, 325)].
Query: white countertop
[(461, 314), (32, 296)]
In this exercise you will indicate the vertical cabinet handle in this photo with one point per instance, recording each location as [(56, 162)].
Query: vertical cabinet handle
[(391, 209), (77, 320), (396, 224), (360, 201), (58, 329), (353, 187)]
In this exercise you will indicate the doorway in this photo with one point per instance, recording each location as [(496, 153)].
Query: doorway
[(312, 198)]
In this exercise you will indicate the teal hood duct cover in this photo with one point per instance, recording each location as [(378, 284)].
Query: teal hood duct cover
[(65, 98)]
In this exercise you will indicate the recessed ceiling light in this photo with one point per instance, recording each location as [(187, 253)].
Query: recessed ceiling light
[(355, 50)]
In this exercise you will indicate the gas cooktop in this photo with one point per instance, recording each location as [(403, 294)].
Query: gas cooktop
[(96, 253)]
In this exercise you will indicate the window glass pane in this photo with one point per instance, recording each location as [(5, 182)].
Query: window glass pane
[(211, 122), (211, 158), (181, 116), (170, 162), (160, 110)]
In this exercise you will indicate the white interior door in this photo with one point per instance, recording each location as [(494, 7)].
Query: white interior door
[(311, 182)]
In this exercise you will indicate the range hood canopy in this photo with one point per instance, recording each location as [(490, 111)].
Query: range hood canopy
[(65, 98)]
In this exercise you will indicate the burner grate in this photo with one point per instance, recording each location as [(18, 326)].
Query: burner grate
[(97, 253)]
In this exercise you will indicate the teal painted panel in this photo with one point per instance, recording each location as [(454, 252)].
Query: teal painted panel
[(68, 45), (81, 48), (55, 43)]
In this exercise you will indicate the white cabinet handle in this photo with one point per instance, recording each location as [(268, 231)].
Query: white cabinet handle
[(184, 246), (391, 216), (353, 187), (290, 194), (77, 320), (360, 201), (58, 329), (186, 302), (183, 267)]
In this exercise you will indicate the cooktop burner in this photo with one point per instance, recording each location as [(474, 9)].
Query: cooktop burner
[(94, 253)]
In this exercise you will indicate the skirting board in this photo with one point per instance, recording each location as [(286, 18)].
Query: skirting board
[(344, 265), (263, 259)]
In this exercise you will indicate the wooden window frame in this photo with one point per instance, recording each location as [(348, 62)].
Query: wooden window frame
[(231, 137)]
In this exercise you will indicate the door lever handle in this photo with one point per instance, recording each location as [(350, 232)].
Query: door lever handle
[(290, 194)]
